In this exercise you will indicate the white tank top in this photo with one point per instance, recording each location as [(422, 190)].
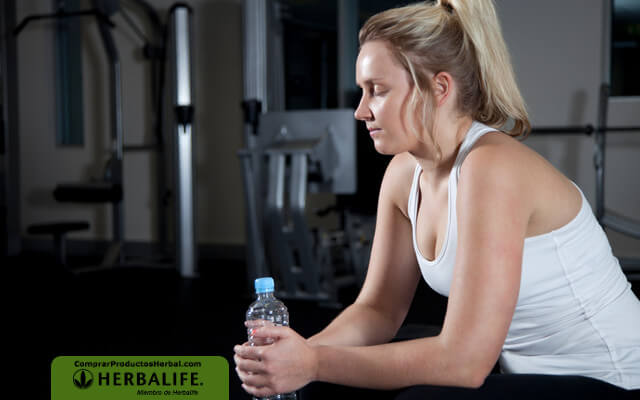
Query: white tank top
[(576, 313)]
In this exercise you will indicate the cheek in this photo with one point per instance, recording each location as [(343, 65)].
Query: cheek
[(376, 108), (411, 119), (384, 111)]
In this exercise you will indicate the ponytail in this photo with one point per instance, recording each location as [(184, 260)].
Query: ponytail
[(462, 37), (503, 100)]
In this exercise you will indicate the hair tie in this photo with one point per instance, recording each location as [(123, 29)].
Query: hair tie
[(447, 6)]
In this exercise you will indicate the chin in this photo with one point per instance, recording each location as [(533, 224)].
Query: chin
[(385, 150)]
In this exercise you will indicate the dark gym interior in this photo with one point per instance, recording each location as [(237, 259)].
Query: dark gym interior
[(176, 253)]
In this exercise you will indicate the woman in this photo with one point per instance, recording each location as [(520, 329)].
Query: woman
[(530, 277)]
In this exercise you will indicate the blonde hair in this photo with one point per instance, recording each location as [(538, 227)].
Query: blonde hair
[(463, 38)]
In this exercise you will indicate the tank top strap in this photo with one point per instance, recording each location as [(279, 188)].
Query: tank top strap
[(413, 195), (476, 131)]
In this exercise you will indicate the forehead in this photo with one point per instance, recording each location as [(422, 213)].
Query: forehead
[(376, 61)]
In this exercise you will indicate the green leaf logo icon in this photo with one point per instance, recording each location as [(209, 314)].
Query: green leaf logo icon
[(82, 378)]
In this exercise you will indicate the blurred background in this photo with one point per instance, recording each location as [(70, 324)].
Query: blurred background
[(156, 157)]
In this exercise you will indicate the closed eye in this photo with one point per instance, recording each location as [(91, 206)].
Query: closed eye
[(378, 90)]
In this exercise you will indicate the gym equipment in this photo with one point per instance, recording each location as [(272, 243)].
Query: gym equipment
[(180, 23), (59, 231), (255, 95), (286, 155), (301, 151), (327, 136), (110, 188), (607, 218)]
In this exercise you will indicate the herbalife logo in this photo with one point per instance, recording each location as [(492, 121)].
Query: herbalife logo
[(82, 378)]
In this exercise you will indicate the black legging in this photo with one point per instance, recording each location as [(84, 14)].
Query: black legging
[(495, 387)]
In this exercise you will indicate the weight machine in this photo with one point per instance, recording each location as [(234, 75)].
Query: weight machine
[(288, 154), (109, 190), (300, 152)]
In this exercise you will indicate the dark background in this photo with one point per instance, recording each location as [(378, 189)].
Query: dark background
[(141, 311)]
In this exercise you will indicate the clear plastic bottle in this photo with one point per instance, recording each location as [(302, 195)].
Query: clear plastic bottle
[(270, 310)]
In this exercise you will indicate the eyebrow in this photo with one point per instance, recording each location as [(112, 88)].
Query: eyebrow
[(370, 81)]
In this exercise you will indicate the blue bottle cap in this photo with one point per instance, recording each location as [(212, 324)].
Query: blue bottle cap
[(264, 285)]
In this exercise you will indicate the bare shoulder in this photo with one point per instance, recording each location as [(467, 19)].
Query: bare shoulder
[(495, 171), (495, 149), (508, 165), (499, 156), (397, 180)]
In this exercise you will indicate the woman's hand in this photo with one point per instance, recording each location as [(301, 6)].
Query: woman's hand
[(283, 366)]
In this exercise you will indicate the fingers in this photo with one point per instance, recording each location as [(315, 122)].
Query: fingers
[(256, 323), (274, 332), (252, 360), (253, 326), (256, 386), (254, 377), (250, 379), (258, 391), (247, 365), (249, 352)]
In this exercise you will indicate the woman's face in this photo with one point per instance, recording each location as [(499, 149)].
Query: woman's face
[(386, 89)]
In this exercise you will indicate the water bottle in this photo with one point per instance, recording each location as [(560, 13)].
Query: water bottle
[(272, 311)]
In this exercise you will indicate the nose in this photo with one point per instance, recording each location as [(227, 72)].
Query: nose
[(363, 113)]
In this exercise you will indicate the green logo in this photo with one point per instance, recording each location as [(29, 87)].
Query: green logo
[(140, 378), (83, 378)]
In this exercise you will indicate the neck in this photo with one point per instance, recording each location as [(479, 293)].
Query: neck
[(449, 137)]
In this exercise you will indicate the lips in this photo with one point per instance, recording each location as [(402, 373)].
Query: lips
[(375, 133)]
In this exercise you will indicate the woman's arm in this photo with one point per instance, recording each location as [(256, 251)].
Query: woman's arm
[(493, 212), (393, 274)]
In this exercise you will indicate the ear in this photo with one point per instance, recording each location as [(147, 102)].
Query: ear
[(442, 87)]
